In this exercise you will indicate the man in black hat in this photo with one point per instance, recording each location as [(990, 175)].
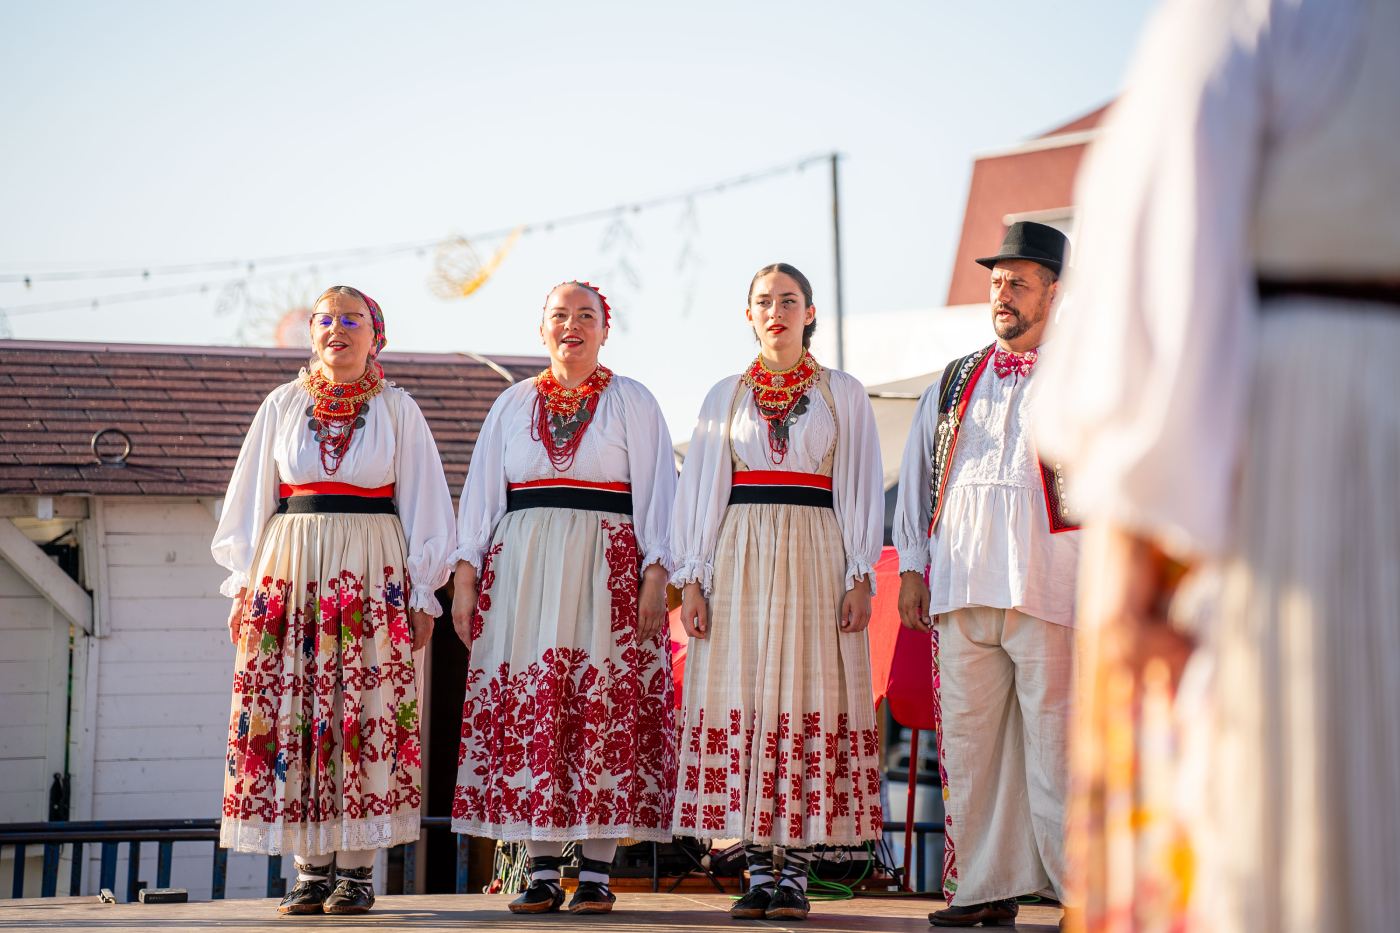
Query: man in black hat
[(987, 559)]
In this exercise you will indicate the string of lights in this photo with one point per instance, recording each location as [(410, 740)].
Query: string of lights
[(359, 254)]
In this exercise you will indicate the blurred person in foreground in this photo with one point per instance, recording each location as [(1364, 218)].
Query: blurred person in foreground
[(1227, 404)]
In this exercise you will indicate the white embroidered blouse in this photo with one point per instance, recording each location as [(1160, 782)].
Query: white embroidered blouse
[(993, 545), (856, 474), (627, 441), (395, 445)]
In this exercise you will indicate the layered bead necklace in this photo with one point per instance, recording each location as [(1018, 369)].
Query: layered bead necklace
[(337, 409), (781, 398), (562, 415)]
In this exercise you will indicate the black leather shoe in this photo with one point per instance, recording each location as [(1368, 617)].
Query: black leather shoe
[(353, 892), (541, 897), (754, 904), (592, 897), (991, 914), (306, 897), (788, 903)]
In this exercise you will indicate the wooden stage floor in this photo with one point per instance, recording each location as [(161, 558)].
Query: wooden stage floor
[(484, 913)]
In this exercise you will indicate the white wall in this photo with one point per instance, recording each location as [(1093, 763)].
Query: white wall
[(163, 685), (33, 710)]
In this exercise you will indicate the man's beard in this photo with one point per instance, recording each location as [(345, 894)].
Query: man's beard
[(1012, 330)]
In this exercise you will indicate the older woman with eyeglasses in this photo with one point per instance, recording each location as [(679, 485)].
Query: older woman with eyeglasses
[(336, 529)]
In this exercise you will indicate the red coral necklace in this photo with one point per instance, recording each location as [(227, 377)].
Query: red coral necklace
[(781, 397), (562, 415), (336, 410)]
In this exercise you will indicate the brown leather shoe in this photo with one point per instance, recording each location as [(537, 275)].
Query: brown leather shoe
[(991, 914)]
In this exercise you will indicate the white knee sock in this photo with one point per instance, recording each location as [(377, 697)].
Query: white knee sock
[(602, 850), (538, 849)]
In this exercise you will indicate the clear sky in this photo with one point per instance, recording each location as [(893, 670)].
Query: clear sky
[(149, 133)]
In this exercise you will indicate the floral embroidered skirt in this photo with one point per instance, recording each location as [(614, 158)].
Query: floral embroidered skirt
[(568, 724), (323, 747), (778, 737)]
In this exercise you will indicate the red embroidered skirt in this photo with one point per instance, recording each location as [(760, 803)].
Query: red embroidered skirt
[(778, 737), (568, 724), (323, 747)]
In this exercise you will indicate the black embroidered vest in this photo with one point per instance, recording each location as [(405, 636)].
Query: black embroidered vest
[(954, 393)]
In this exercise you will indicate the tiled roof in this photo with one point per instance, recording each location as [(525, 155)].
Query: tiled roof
[(186, 410)]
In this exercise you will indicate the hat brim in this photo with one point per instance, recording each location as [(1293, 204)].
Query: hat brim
[(1054, 265)]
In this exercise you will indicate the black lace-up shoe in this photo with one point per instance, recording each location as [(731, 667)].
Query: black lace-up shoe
[(754, 904), (592, 897), (788, 903), (541, 897), (544, 894), (306, 897), (353, 893), (991, 914)]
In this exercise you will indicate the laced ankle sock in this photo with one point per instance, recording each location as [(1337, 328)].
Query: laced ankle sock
[(599, 852), (796, 864), (306, 871), (760, 864), (546, 860)]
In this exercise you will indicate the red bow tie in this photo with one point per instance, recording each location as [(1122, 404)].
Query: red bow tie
[(1007, 362)]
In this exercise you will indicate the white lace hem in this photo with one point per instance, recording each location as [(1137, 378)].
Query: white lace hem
[(524, 832), (307, 839)]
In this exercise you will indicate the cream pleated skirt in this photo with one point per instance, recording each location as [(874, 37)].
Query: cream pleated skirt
[(1300, 821), (323, 747), (778, 741), (568, 725)]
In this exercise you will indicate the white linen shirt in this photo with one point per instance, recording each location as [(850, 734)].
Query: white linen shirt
[(857, 478), (394, 446), (993, 545), (627, 441)]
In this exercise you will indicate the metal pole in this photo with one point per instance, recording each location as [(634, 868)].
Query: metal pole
[(836, 250)]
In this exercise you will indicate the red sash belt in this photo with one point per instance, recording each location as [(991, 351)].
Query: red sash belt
[(780, 487), (286, 491)]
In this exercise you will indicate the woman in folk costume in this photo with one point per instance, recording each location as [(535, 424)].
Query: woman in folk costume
[(336, 530), (1227, 399), (778, 525), (560, 596)]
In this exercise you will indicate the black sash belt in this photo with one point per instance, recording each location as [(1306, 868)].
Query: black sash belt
[(781, 495), (356, 505), (563, 497), (1372, 293)]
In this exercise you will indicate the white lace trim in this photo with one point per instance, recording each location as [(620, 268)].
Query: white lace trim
[(314, 839), (524, 832)]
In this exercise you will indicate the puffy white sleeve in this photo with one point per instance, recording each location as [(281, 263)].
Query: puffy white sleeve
[(424, 505), (857, 479), (250, 501), (652, 468), (703, 492), (914, 504), (1145, 395), (483, 501)]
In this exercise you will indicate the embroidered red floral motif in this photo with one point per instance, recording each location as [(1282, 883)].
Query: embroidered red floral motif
[(1005, 362), (573, 741)]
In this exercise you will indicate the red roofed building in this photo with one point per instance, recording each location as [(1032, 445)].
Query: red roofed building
[(1030, 181), (105, 566)]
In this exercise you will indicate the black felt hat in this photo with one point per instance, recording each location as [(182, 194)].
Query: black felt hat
[(1036, 242)]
